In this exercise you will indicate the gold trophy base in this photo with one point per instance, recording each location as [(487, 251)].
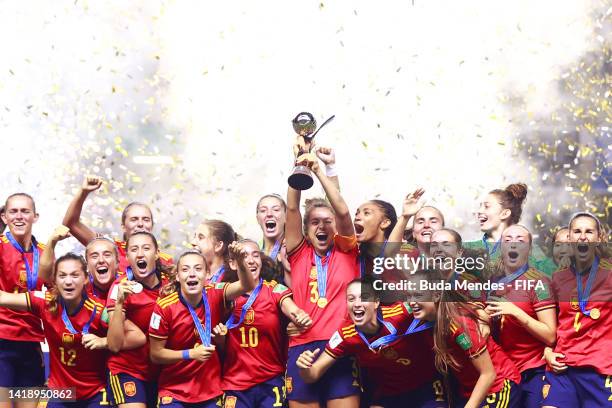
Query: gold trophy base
[(300, 178)]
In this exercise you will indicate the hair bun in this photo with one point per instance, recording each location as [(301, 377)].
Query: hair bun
[(518, 191)]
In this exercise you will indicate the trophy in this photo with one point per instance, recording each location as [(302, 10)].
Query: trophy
[(304, 125)]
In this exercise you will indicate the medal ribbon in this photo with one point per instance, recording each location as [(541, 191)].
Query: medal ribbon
[(252, 297), (322, 273), (275, 250), (382, 341), (486, 245), (583, 296), (68, 323), (203, 332), (218, 275), (31, 273)]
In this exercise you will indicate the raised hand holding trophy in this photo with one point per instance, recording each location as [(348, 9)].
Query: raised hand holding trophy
[(304, 125)]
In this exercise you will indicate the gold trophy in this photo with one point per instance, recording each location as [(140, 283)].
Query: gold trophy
[(304, 125)]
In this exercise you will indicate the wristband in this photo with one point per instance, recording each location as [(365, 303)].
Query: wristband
[(186, 355), (330, 170)]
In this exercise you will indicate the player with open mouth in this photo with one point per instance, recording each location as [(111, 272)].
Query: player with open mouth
[(323, 257), (255, 361), (185, 319), (74, 331), (580, 365), (213, 238), (132, 375), (393, 347), (524, 313)]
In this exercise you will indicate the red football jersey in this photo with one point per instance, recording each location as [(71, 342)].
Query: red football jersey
[(400, 367), (72, 365), (165, 259), (96, 293), (138, 308), (256, 349), (343, 268), (584, 341), (17, 325), (523, 349), (466, 343), (188, 380)]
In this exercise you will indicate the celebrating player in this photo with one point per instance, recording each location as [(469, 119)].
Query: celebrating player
[(74, 332), (394, 349), (271, 217), (485, 375), (181, 330), (213, 238), (499, 210), (135, 217), (132, 376), (322, 264), (21, 332), (255, 361), (581, 365), (526, 313)]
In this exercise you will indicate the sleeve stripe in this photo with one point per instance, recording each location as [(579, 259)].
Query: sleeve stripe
[(479, 352), (158, 337), (29, 303), (332, 355), (545, 307), (285, 296)]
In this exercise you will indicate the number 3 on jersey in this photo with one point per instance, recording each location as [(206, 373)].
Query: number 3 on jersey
[(314, 291)]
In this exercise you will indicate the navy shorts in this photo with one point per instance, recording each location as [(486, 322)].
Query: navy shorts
[(532, 381), (341, 380), (169, 402), (430, 395), (577, 387), (268, 394), (126, 389), (99, 400), (21, 364), (508, 397)]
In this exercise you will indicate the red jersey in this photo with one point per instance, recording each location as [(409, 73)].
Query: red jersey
[(165, 259), (138, 308), (402, 366), (584, 341), (343, 268), (72, 365), (466, 343), (532, 293), (17, 325), (188, 380), (97, 294), (256, 349)]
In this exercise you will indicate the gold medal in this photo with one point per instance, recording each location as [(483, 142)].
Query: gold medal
[(322, 302), (594, 313), (223, 330)]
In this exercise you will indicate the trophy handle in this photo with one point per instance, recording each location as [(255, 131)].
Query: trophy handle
[(320, 127)]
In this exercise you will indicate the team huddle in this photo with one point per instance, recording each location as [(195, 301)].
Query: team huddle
[(296, 319)]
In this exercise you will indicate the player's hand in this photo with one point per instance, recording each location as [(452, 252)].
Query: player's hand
[(301, 319), (237, 251), (412, 203), (552, 360), (309, 160), (294, 330), (219, 330), (125, 289), (59, 233), (307, 358), (93, 342), (201, 353), (495, 308), (327, 155), (91, 183)]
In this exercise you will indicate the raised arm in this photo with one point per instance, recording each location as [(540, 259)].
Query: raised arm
[(45, 269), (328, 157), (410, 207), (245, 282), (344, 222), (115, 336), (72, 219)]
